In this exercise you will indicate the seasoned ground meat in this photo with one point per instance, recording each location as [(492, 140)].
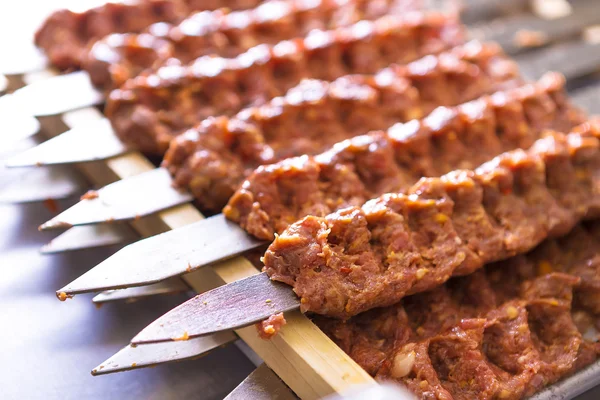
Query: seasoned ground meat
[(66, 35), (399, 244), (119, 57), (212, 159), (271, 326), (149, 110), (504, 332), (352, 172)]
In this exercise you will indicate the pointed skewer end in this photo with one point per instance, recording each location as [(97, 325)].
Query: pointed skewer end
[(52, 224), (109, 367)]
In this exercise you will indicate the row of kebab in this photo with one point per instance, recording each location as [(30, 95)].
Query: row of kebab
[(432, 210)]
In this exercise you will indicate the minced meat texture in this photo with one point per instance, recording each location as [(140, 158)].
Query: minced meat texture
[(353, 171), (212, 159), (270, 326), (121, 56), (505, 331), (149, 110), (399, 244), (65, 36)]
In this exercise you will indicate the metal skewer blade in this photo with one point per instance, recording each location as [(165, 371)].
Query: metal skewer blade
[(39, 185), (3, 83), (169, 286), (30, 58), (166, 255), (573, 386), (58, 94), (87, 142), (131, 357), (232, 306), (262, 384), (85, 237), (124, 200), (14, 124)]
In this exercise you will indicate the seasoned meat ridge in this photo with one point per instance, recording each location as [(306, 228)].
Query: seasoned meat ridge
[(356, 170), (66, 35), (212, 159), (149, 110), (369, 256), (121, 56), (505, 331)]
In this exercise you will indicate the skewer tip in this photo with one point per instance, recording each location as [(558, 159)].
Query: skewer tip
[(52, 224)]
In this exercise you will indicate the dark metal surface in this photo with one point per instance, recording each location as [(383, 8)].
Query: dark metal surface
[(573, 59), (166, 255), (588, 98), (574, 385), (506, 31), (478, 10), (48, 348), (238, 304)]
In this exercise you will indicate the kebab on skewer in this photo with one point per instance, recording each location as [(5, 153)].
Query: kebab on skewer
[(404, 243), (119, 57), (265, 202), (66, 35), (149, 355), (228, 34), (148, 111), (212, 85), (315, 114)]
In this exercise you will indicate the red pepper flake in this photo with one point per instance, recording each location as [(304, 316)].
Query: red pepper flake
[(90, 195), (506, 191), (345, 270), (51, 205)]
